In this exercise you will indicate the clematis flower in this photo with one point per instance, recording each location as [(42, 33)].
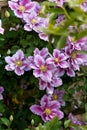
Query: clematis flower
[(84, 6), (44, 52), (21, 7), (1, 91), (58, 59), (47, 109), (17, 62), (75, 58), (1, 29), (42, 69), (49, 86), (80, 44), (58, 96)]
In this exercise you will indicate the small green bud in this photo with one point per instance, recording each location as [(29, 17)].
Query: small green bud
[(11, 118), (32, 122), (7, 14)]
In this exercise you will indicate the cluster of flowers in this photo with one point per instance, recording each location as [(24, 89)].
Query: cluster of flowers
[(29, 12), (49, 68)]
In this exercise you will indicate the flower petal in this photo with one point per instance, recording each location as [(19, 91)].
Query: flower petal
[(36, 109)]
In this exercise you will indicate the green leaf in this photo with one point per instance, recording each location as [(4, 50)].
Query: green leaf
[(54, 124), (6, 122), (83, 127), (67, 123), (61, 42)]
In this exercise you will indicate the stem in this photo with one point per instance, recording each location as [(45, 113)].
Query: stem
[(66, 13)]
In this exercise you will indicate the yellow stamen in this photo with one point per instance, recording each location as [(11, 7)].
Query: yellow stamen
[(18, 63), (73, 39), (47, 111), (73, 54), (43, 68), (21, 8), (56, 60), (54, 97), (33, 21)]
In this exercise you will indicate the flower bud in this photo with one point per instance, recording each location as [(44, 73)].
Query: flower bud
[(8, 51), (32, 122), (11, 118), (7, 14)]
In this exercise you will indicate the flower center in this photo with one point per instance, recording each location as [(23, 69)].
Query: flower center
[(73, 39), (56, 60), (18, 63), (47, 111), (33, 21), (43, 68), (54, 97), (73, 54), (21, 8)]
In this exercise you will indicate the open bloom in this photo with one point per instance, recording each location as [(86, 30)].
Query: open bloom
[(58, 59), (47, 109), (58, 96), (42, 68), (56, 81), (44, 52), (17, 62), (75, 59), (1, 91), (21, 7), (1, 29), (84, 6)]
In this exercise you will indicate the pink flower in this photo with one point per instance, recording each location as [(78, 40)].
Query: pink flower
[(80, 44), (47, 109), (49, 86), (17, 62), (1, 29), (42, 68), (58, 96), (21, 7), (44, 52), (84, 6), (58, 59)]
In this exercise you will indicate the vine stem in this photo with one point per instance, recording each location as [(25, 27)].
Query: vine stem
[(66, 13)]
